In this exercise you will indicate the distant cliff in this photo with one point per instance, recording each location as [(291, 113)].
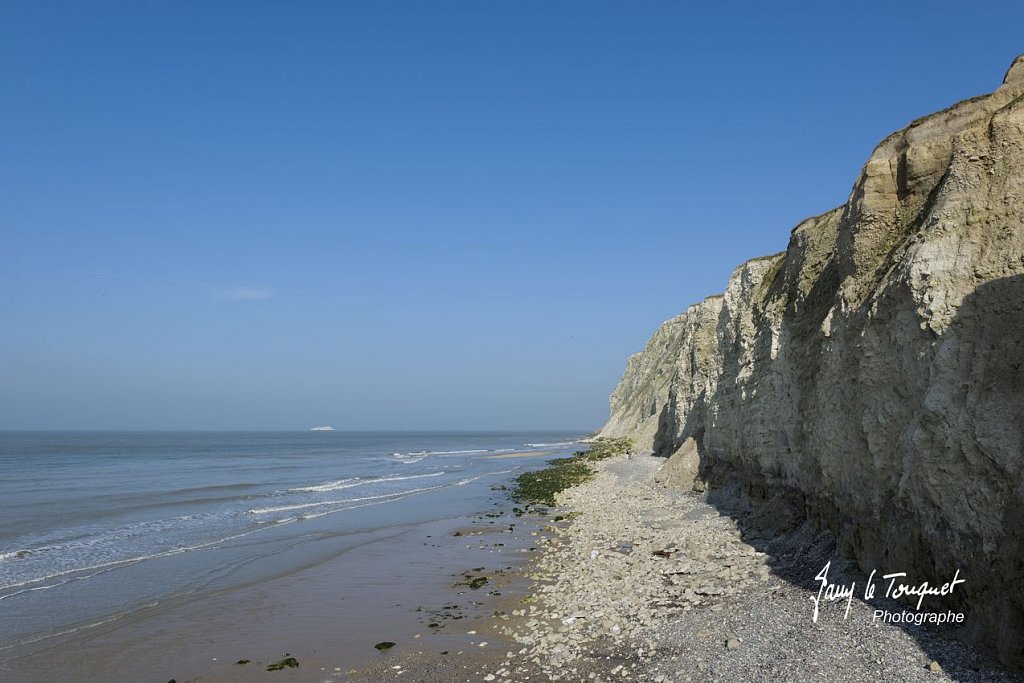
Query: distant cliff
[(875, 369)]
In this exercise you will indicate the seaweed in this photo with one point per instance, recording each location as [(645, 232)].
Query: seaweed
[(288, 662), (474, 582), (541, 487)]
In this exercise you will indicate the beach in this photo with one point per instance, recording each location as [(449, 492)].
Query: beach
[(626, 579), (353, 541), (327, 617), (647, 583)]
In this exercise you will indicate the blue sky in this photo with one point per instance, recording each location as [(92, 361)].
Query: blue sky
[(415, 215)]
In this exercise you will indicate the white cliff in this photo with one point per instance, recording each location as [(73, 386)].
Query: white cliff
[(874, 371)]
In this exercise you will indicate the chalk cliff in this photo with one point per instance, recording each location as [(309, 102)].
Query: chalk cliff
[(874, 371)]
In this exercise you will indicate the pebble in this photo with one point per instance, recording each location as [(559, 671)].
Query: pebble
[(641, 570)]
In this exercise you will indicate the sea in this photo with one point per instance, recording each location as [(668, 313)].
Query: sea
[(96, 526)]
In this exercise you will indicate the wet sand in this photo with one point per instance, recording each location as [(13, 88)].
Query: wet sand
[(410, 585)]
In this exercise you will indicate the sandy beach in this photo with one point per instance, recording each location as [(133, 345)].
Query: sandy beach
[(317, 549), (430, 589), (328, 617)]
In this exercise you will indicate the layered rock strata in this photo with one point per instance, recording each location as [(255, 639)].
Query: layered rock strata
[(872, 375)]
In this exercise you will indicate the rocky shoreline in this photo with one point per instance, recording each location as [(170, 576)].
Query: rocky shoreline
[(648, 583)]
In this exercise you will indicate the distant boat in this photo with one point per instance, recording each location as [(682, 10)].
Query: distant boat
[(322, 429)]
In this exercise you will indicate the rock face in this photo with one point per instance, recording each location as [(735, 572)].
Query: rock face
[(875, 369), (682, 469)]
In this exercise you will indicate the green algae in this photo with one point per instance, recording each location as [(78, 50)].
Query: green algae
[(541, 487), (287, 663)]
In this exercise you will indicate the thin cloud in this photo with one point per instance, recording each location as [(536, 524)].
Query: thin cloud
[(218, 292)]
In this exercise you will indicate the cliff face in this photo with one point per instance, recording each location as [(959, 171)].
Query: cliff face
[(875, 369)]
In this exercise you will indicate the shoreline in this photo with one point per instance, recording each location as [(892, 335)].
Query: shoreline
[(647, 583), (624, 580), (522, 454), (412, 585)]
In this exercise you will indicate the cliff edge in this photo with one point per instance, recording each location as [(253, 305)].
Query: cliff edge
[(874, 371)]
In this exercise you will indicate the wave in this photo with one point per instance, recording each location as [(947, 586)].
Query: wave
[(93, 552), (329, 486), (374, 500), (552, 445), (357, 481), (113, 564), (15, 554), (80, 573), (87, 537), (424, 454), (111, 542), (52, 558), (397, 496), (301, 506), (89, 571), (478, 450)]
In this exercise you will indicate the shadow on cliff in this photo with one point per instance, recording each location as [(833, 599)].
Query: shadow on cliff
[(802, 530)]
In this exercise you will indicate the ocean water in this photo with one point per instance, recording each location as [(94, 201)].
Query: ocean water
[(95, 526)]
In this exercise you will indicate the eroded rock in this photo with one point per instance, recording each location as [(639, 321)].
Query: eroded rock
[(871, 377)]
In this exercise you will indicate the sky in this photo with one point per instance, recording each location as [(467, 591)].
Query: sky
[(418, 215)]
